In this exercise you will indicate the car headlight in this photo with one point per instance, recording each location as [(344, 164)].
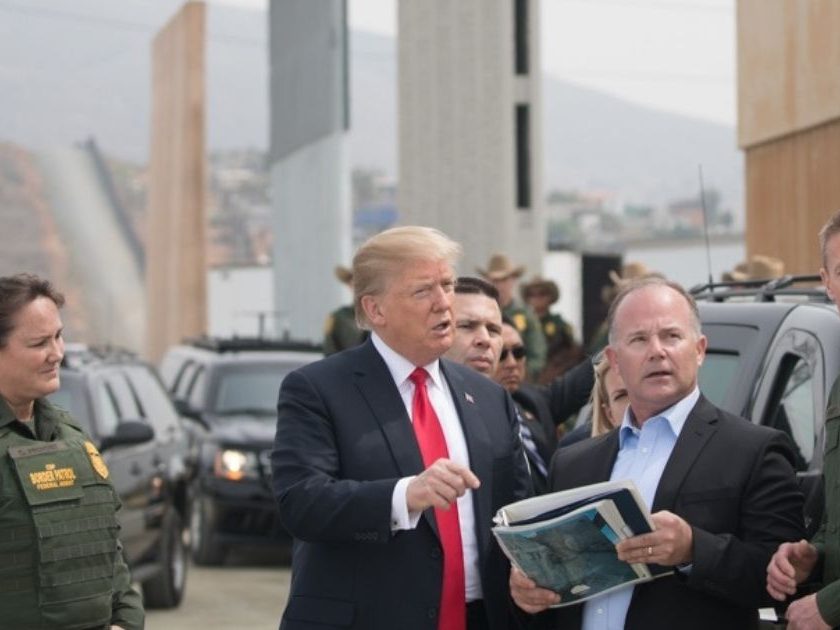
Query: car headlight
[(236, 465)]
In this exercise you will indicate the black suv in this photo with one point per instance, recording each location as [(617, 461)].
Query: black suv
[(229, 388), (122, 404), (773, 355)]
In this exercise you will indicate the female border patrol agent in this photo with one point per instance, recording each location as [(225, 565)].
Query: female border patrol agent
[(60, 560)]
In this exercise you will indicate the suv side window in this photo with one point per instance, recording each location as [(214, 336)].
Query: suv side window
[(170, 367), (794, 413), (108, 416), (181, 386), (790, 394), (196, 392), (158, 409), (128, 404)]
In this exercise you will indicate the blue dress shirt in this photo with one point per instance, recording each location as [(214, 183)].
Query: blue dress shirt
[(642, 455)]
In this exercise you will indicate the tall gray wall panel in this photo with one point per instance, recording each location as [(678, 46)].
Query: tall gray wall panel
[(308, 66), (309, 175)]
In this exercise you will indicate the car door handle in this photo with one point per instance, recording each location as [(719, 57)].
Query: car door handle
[(136, 468)]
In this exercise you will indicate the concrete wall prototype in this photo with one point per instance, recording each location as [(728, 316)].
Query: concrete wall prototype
[(460, 91), (310, 183), (103, 278), (176, 274), (789, 124)]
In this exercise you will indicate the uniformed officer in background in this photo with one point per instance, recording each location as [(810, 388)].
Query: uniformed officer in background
[(504, 275), (61, 564), (340, 330)]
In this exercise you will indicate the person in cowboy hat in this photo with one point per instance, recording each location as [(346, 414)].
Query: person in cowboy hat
[(632, 270), (340, 329), (758, 267), (540, 293), (504, 274)]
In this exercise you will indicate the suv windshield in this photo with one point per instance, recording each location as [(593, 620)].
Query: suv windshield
[(250, 389)]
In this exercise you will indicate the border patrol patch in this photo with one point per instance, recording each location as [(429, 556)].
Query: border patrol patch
[(96, 460), (520, 321)]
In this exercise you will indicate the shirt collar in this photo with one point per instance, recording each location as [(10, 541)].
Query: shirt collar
[(400, 367), (676, 415)]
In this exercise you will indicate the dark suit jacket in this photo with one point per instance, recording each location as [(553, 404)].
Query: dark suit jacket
[(550, 405), (543, 408), (567, 393), (538, 418), (734, 483), (343, 441)]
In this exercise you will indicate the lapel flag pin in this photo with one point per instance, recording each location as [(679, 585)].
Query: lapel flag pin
[(468, 397)]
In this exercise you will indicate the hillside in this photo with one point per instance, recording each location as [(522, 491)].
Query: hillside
[(81, 68)]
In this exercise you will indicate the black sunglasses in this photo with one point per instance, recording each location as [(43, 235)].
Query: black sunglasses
[(518, 352)]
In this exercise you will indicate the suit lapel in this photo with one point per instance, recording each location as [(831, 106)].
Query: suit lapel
[(603, 456), (478, 443), (700, 426), (475, 431), (374, 381)]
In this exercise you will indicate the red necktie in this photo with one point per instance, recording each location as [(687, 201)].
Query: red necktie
[(453, 610)]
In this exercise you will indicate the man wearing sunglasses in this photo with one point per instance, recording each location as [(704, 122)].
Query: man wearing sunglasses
[(537, 425), (546, 406)]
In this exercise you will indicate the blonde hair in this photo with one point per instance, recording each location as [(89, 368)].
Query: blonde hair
[(831, 227), (600, 399), (384, 255)]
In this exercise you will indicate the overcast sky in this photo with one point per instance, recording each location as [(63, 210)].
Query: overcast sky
[(675, 55)]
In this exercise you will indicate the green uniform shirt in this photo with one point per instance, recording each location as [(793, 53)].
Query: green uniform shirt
[(341, 331), (557, 331), (827, 539), (532, 335), (52, 424)]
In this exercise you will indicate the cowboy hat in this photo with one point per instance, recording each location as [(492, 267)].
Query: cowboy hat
[(499, 267), (629, 271), (538, 284), (343, 274), (758, 267)]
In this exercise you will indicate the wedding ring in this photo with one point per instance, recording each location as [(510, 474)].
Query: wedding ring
[(650, 551)]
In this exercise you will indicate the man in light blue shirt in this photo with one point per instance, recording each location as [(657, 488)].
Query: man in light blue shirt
[(720, 489)]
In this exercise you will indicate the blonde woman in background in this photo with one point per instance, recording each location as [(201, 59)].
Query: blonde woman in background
[(609, 399), (608, 402)]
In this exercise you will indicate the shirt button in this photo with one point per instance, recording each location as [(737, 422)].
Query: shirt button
[(645, 449), (431, 613), (600, 611), (435, 553)]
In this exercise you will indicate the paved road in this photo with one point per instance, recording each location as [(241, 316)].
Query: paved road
[(248, 592)]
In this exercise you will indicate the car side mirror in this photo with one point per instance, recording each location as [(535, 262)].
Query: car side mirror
[(186, 409), (190, 413), (128, 432)]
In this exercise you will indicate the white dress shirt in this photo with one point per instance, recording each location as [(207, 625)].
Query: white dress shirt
[(441, 399), (642, 456)]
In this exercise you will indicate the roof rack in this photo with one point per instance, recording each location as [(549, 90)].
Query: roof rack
[(241, 344), (79, 354), (762, 290)]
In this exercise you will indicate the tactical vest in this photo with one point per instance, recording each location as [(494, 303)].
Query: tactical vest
[(58, 533)]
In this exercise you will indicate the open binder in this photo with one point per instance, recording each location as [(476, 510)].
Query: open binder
[(565, 541)]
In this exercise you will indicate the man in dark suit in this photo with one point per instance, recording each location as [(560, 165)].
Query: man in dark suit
[(542, 407), (722, 491), (389, 463)]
